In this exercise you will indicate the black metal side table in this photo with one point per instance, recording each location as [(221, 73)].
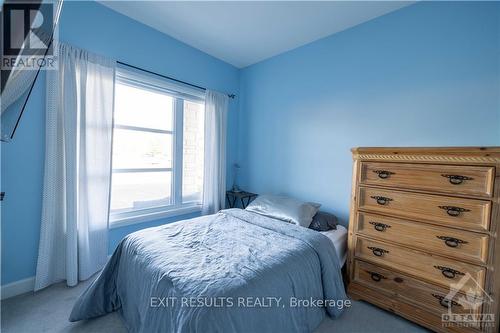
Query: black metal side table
[(233, 196)]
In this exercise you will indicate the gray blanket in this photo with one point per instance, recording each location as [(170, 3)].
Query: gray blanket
[(234, 271)]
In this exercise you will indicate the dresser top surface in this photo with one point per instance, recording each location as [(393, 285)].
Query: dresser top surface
[(429, 154)]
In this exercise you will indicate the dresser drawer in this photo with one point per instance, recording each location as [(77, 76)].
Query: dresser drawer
[(426, 266), (467, 180), (456, 243), (464, 213), (426, 317), (410, 289)]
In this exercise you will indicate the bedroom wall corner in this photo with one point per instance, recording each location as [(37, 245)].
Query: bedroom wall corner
[(424, 75)]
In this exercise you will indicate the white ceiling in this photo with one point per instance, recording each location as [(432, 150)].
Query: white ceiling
[(244, 33)]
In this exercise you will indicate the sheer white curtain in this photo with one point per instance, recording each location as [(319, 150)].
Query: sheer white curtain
[(74, 231), (214, 180)]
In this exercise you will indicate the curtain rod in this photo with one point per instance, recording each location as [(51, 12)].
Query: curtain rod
[(168, 77)]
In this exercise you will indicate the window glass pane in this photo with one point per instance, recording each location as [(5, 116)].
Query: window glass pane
[(140, 190), (141, 107), (193, 151), (138, 149)]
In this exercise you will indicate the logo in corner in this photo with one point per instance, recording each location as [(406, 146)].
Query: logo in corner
[(464, 302), (27, 34)]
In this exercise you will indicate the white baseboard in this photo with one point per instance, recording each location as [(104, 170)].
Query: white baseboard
[(18, 287)]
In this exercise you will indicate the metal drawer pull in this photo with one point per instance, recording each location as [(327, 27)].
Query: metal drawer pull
[(445, 302), (376, 276), (451, 241), (384, 174), (456, 179), (454, 211), (448, 272), (381, 200), (380, 226), (377, 251)]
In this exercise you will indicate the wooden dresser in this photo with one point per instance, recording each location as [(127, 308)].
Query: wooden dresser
[(423, 235)]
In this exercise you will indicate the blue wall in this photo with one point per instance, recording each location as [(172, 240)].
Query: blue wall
[(98, 29), (426, 75)]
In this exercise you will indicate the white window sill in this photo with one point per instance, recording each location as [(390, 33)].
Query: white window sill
[(120, 221)]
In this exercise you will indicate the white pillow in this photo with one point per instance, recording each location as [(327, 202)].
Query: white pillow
[(285, 209)]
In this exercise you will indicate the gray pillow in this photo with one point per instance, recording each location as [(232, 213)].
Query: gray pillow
[(285, 209), (323, 221)]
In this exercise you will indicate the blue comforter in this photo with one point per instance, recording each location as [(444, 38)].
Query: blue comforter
[(234, 271)]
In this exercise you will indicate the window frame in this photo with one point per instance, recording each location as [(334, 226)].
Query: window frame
[(179, 93)]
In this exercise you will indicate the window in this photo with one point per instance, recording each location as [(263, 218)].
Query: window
[(158, 142)]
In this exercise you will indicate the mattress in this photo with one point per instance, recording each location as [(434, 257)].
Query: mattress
[(339, 241)]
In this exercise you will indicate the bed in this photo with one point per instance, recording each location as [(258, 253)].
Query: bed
[(234, 271), (338, 238)]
